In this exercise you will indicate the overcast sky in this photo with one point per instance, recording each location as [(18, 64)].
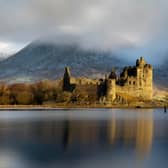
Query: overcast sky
[(130, 27)]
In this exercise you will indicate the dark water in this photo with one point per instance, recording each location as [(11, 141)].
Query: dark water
[(94, 138)]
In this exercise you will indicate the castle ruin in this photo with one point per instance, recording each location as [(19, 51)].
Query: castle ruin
[(134, 82)]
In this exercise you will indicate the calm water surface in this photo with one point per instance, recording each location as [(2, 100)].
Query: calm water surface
[(87, 138)]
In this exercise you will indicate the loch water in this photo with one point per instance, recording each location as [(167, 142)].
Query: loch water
[(84, 138)]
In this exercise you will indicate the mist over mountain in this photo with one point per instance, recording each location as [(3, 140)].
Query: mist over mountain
[(47, 61), (3, 56), (44, 60)]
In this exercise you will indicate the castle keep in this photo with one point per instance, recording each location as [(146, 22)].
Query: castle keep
[(134, 82)]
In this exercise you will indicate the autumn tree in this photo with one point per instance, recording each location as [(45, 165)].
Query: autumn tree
[(21, 94), (4, 94)]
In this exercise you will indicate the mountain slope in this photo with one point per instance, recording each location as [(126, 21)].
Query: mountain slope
[(3, 56), (161, 75), (47, 61)]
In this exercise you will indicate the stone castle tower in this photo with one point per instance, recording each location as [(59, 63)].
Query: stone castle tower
[(144, 78), (111, 87), (136, 81)]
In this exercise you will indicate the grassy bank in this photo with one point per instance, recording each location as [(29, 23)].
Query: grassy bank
[(70, 106)]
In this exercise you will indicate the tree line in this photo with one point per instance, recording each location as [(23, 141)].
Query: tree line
[(41, 93)]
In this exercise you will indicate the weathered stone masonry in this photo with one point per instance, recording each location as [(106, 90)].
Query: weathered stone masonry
[(134, 81)]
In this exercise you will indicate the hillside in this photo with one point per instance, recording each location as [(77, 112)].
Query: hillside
[(161, 75), (3, 56), (41, 61), (47, 61)]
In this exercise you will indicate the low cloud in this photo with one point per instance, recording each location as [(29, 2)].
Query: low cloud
[(129, 27)]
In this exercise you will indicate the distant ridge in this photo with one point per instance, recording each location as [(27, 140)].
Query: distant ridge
[(47, 61), (161, 75), (39, 61)]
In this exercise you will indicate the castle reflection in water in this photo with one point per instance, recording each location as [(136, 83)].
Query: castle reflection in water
[(138, 131)]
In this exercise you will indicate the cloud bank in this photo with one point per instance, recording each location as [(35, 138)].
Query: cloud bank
[(130, 27)]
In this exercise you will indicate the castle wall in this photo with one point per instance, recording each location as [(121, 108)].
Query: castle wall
[(134, 83), (83, 81), (128, 92), (134, 92)]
